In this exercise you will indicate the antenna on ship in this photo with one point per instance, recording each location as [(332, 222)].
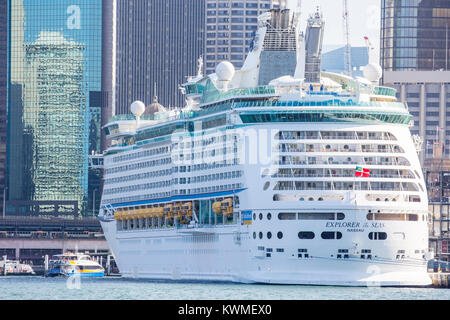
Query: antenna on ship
[(155, 96), (348, 50), (200, 67)]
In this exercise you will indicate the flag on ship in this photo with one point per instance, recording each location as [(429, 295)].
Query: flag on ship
[(362, 172)]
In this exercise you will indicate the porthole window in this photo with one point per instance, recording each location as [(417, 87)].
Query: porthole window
[(266, 186), (260, 216), (280, 235), (269, 235), (260, 235), (310, 199), (254, 235), (306, 235), (254, 216), (269, 216)]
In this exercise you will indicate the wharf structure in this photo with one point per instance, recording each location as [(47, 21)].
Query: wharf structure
[(437, 175), (30, 236)]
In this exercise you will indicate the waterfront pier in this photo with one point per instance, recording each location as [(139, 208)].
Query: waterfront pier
[(30, 240)]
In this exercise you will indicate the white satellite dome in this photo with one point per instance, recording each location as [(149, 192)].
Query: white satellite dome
[(373, 72), (137, 108), (225, 71)]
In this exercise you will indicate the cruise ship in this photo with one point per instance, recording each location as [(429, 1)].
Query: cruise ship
[(276, 173)]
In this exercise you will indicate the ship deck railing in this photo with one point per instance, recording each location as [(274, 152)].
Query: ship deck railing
[(230, 103), (384, 176)]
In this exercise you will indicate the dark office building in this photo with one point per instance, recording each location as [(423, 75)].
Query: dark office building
[(3, 85), (54, 103), (158, 41), (415, 35)]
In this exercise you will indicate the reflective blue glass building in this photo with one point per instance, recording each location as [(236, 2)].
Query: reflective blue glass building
[(3, 72), (334, 60), (54, 101), (415, 35)]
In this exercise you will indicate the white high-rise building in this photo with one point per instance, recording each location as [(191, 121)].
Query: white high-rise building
[(230, 27)]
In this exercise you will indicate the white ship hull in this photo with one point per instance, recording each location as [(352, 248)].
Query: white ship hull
[(175, 255)]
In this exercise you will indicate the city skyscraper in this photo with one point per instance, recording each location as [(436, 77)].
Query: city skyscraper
[(158, 42), (414, 58), (415, 35), (54, 101), (230, 28), (3, 95)]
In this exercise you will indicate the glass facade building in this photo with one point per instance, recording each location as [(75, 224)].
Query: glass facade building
[(415, 35), (334, 60), (158, 42), (54, 100), (3, 99)]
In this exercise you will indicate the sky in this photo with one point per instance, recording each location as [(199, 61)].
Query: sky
[(364, 20)]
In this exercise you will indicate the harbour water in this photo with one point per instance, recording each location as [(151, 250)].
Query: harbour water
[(111, 288)]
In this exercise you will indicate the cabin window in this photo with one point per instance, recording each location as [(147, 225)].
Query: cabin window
[(316, 216), (377, 235), (287, 216), (329, 235), (306, 235)]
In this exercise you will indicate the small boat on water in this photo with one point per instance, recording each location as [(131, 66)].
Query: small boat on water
[(74, 264), (15, 268)]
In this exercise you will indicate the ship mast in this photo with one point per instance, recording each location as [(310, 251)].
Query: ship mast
[(348, 52)]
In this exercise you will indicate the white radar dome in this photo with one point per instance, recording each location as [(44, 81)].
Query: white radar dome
[(137, 108), (225, 71), (373, 72)]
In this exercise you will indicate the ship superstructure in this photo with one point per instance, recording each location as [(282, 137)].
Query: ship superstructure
[(312, 178)]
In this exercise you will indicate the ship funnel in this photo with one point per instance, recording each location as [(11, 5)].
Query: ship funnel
[(313, 47)]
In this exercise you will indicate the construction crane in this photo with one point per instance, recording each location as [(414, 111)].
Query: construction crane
[(348, 52), (369, 46)]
